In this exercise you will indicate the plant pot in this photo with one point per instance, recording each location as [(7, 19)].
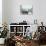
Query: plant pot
[(2, 40)]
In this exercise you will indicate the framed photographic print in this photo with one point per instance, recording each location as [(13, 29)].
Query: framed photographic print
[(26, 9)]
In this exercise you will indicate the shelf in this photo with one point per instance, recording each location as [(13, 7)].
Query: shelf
[(16, 32), (19, 32), (22, 28), (12, 32), (19, 25)]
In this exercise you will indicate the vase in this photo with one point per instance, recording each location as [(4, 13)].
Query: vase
[(2, 40)]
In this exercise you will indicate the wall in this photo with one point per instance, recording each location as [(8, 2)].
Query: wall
[(42, 11), (16, 11), (12, 11), (4, 11), (0, 13)]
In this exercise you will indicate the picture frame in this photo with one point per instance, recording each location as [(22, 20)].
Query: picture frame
[(26, 9)]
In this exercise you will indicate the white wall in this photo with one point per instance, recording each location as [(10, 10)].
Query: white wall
[(4, 11), (0, 13), (16, 11), (12, 11)]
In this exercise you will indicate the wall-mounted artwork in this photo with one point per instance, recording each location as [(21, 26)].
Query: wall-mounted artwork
[(26, 9)]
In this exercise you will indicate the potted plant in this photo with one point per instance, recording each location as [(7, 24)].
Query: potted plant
[(3, 34)]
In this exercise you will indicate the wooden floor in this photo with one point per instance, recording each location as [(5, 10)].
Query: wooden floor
[(32, 45), (1, 45), (42, 45)]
